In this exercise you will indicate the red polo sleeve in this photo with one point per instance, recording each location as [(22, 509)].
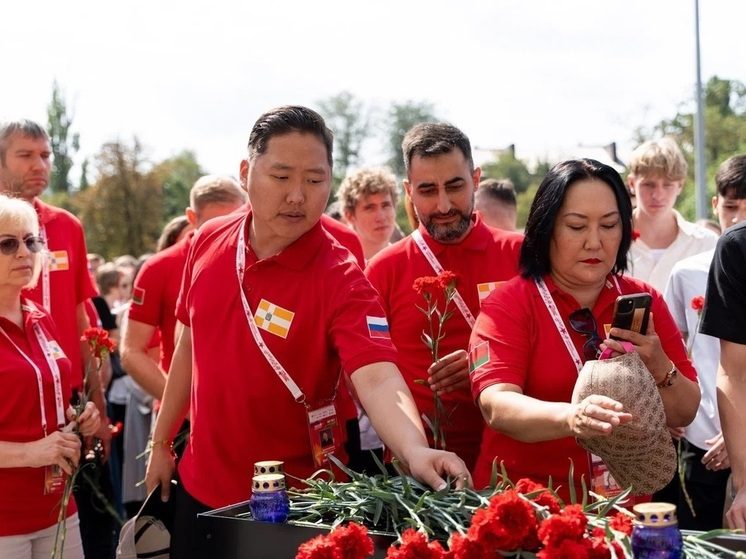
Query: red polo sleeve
[(147, 296), (359, 328), (500, 341)]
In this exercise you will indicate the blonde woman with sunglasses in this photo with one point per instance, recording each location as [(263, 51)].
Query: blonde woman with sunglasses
[(37, 446)]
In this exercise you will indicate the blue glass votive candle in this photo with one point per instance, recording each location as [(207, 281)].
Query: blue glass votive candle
[(269, 502), (656, 534)]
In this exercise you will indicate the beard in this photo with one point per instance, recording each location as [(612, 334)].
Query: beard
[(449, 231)]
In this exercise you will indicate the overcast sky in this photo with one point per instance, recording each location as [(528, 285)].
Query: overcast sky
[(542, 74)]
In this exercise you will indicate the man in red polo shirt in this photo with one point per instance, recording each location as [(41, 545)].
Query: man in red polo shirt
[(441, 181), (63, 288), (158, 283), (274, 311)]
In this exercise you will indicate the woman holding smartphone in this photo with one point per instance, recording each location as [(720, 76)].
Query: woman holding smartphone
[(535, 332)]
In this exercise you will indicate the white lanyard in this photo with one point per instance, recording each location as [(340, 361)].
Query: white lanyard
[(296, 392), (46, 292), (420, 242), (559, 323), (54, 368)]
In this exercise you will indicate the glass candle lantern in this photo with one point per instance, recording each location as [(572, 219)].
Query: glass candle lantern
[(269, 502)]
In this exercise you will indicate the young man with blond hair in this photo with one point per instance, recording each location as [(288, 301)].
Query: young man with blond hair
[(657, 172)]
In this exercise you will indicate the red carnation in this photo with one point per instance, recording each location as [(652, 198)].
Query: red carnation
[(548, 500), (698, 303), (597, 546), (414, 545), (99, 341), (447, 279), (567, 525), (463, 547), (621, 523), (426, 285), (545, 497), (527, 486), (567, 549), (635, 234), (505, 523), (352, 541), (320, 547)]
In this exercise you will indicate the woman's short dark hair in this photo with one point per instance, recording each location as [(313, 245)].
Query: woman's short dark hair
[(287, 119), (534, 261)]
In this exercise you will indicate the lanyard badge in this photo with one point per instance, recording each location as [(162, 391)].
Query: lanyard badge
[(324, 433), (54, 480), (602, 482)]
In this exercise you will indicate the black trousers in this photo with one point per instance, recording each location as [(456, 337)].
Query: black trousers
[(186, 538), (94, 497), (706, 489)]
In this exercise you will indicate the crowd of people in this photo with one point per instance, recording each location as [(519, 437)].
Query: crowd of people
[(268, 325)]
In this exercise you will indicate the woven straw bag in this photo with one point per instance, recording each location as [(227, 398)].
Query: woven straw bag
[(639, 454)]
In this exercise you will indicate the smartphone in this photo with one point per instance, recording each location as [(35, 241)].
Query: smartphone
[(632, 312)]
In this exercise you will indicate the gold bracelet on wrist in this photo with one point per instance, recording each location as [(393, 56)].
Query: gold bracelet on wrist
[(165, 443), (669, 378)]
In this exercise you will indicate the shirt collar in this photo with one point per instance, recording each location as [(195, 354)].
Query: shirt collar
[(687, 227), (43, 211), (611, 288), (31, 312), (477, 239), (299, 254)]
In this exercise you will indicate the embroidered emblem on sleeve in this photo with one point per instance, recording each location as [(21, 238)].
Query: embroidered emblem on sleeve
[(378, 327), (138, 296), (478, 356), (484, 289)]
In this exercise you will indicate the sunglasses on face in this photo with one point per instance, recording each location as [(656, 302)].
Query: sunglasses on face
[(583, 322), (10, 245)]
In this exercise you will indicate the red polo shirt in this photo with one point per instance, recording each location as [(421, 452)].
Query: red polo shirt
[(526, 349), (241, 411), (69, 280), (23, 506), (485, 256), (156, 292)]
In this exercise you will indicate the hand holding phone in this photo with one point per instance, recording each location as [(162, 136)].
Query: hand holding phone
[(632, 312)]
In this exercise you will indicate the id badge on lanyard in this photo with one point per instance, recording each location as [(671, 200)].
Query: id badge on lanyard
[(324, 432), (602, 482), (54, 480)]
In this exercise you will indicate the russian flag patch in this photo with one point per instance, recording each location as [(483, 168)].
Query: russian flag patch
[(378, 327)]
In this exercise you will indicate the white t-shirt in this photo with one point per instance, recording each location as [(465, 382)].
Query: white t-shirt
[(692, 239), (689, 280)]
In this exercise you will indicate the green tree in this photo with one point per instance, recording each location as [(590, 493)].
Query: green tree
[(84, 184), (121, 212), (177, 175), (64, 144), (401, 117), (350, 121), (507, 166)]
